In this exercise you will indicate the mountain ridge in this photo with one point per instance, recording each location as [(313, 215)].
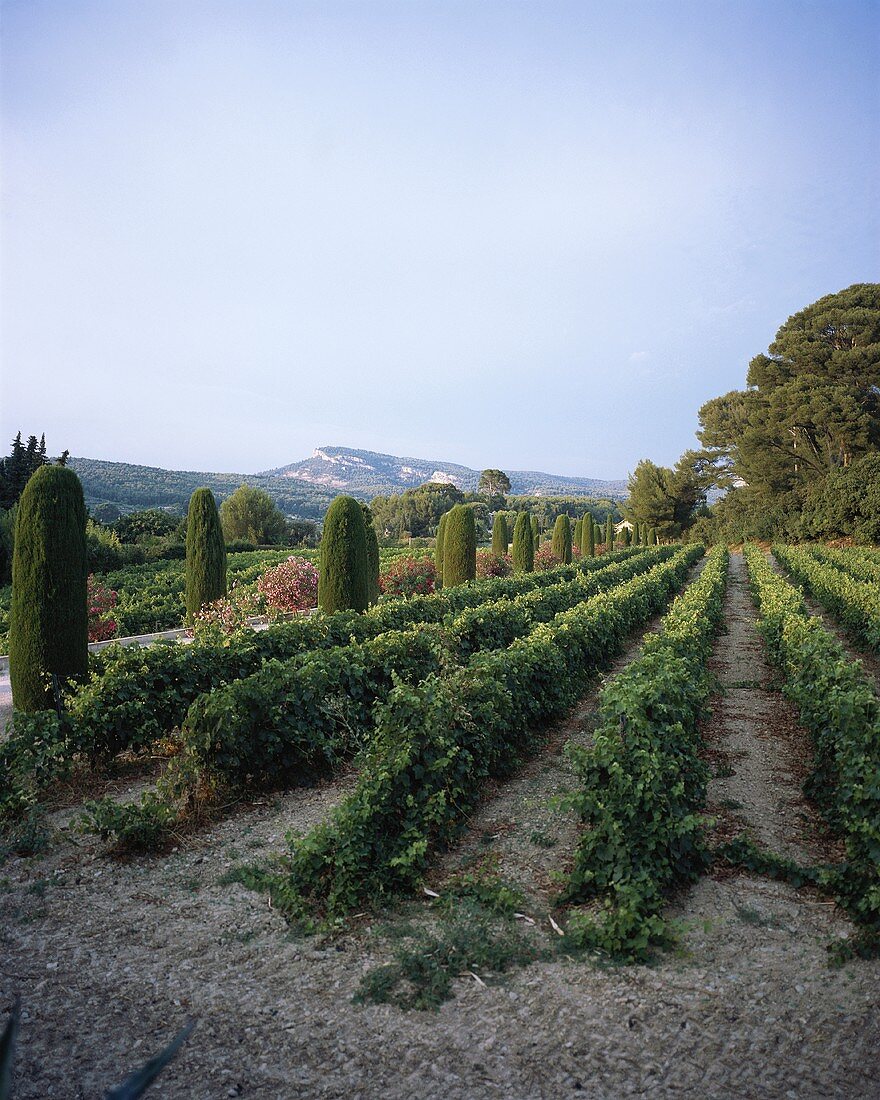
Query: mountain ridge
[(327, 465), (305, 489)]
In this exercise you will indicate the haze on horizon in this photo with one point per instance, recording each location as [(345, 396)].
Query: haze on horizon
[(531, 235)]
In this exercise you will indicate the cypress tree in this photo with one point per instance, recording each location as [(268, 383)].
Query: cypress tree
[(652, 536), (459, 547), (499, 535), (578, 536), (536, 533), (609, 535), (205, 553), (562, 539), (627, 536), (588, 540), (372, 554), (49, 618), (344, 570), (523, 552), (438, 551)]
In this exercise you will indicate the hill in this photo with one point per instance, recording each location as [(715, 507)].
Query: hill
[(368, 473), (305, 489)]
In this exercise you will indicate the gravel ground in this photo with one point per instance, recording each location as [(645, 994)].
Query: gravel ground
[(112, 957)]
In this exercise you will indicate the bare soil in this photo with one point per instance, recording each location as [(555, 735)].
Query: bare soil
[(111, 957)]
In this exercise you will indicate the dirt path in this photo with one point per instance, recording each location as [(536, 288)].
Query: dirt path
[(111, 958)]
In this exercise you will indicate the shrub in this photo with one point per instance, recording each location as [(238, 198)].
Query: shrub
[(536, 532), (48, 621), (408, 577), (490, 564), (343, 582), (609, 535), (523, 551), (205, 553), (291, 585), (499, 535), (545, 558), (101, 601), (562, 539), (459, 547)]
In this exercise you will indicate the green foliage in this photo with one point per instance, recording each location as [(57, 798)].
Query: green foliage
[(459, 547), (522, 552), (562, 539), (250, 515), (343, 581), (666, 499), (438, 550), (847, 502), (577, 536), (205, 553), (153, 523), (145, 826), (609, 535), (811, 411), (500, 538), (588, 538), (470, 939), (855, 602), (840, 707), (48, 614), (494, 483), (642, 781), (416, 511), (372, 555), (437, 742)]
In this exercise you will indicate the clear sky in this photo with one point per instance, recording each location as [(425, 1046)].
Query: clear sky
[(532, 235)]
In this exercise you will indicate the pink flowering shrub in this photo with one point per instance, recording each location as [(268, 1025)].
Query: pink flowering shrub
[(492, 565), (291, 585), (408, 577), (224, 616), (101, 602), (545, 558)]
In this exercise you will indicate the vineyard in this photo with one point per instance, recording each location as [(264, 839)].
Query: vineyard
[(497, 801)]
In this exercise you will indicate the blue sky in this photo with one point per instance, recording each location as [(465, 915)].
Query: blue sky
[(532, 235)]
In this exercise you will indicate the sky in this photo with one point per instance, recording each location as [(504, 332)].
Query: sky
[(526, 235)]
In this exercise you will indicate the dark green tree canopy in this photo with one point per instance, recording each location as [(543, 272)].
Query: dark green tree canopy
[(812, 404), (344, 571), (663, 498), (250, 515), (459, 547), (205, 553), (522, 552), (494, 483), (49, 613)]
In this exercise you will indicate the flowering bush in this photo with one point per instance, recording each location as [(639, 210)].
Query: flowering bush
[(492, 565), (227, 614), (101, 602), (291, 585), (408, 577), (545, 558)]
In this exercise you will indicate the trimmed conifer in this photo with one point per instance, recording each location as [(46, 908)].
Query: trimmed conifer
[(523, 551), (372, 554), (344, 569), (609, 535), (48, 621), (627, 536), (205, 553), (562, 539), (536, 533), (652, 536), (459, 547), (578, 536), (438, 551), (588, 542), (499, 535)]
